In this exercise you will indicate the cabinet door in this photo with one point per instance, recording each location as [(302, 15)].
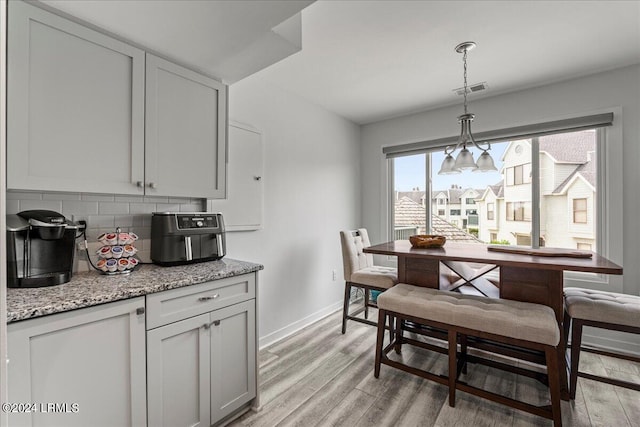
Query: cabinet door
[(178, 373), (185, 132), (243, 207), (233, 363), (75, 107), (90, 362)]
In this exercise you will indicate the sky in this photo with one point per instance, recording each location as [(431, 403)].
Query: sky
[(410, 171)]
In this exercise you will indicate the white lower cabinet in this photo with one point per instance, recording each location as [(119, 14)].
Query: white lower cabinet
[(80, 368), (233, 362), (201, 369), (191, 362), (179, 374)]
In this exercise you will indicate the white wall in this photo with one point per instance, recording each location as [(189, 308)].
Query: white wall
[(312, 191)]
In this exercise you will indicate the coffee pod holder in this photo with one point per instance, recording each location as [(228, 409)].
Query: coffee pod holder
[(117, 255)]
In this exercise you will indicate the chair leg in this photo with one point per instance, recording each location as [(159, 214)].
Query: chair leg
[(392, 327), (366, 303), (453, 365), (566, 325), (398, 335), (345, 307), (382, 315), (553, 373), (576, 342), (463, 352)]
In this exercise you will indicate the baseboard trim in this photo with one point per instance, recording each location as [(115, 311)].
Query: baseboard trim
[(294, 327), (607, 341)]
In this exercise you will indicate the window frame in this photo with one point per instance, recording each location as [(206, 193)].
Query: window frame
[(607, 206), (491, 213), (519, 174), (584, 211)]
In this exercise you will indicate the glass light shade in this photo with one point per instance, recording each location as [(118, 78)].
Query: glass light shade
[(464, 161), (485, 163), (448, 166)]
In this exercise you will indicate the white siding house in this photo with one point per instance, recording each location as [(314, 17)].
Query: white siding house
[(567, 194)]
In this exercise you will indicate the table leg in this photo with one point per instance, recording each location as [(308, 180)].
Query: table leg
[(419, 272), (541, 287)]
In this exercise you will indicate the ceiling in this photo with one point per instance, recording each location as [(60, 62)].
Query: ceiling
[(371, 60), (227, 39)]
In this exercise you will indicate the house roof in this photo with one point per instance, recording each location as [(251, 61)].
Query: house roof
[(569, 147), (450, 231), (454, 195), (586, 171), (415, 195), (498, 189), (410, 213)]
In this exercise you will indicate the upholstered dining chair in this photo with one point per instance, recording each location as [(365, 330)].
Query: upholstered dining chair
[(359, 272), (604, 310)]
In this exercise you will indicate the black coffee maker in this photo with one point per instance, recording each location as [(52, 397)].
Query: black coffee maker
[(40, 249)]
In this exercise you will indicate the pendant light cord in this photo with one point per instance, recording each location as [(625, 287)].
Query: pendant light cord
[(464, 60)]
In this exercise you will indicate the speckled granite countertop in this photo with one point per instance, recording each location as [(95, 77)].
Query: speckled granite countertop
[(92, 288)]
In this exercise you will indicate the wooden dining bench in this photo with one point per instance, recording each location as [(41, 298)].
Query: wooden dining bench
[(521, 324)]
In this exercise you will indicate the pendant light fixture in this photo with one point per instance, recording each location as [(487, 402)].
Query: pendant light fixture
[(464, 160)]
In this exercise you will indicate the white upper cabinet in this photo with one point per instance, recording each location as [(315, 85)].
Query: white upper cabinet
[(185, 132), (243, 206), (82, 117), (75, 107)]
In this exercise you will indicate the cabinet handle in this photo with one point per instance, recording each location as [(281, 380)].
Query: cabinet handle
[(152, 185), (139, 184), (140, 310), (208, 298), (257, 178), (208, 325)]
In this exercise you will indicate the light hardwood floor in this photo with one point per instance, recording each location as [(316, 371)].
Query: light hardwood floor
[(319, 377)]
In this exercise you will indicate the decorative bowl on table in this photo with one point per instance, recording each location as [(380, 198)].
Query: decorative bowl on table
[(427, 241)]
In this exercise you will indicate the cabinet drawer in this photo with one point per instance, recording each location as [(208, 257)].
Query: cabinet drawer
[(177, 304)]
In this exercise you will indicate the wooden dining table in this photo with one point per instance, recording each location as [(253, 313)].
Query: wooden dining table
[(537, 276)]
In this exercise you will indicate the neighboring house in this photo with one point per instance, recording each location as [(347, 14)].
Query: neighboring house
[(416, 195), (458, 206), (567, 194), (455, 205), (410, 219)]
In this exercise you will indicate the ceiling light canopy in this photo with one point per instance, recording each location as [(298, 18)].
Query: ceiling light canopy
[(464, 160)]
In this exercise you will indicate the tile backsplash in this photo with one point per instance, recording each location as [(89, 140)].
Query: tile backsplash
[(103, 213)]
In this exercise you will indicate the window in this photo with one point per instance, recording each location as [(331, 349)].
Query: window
[(518, 211), (564, 192), (584, 246), (520, 174), (579, 211)]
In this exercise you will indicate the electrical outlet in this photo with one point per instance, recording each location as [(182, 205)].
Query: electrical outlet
[(76, 218), (334, 275)]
